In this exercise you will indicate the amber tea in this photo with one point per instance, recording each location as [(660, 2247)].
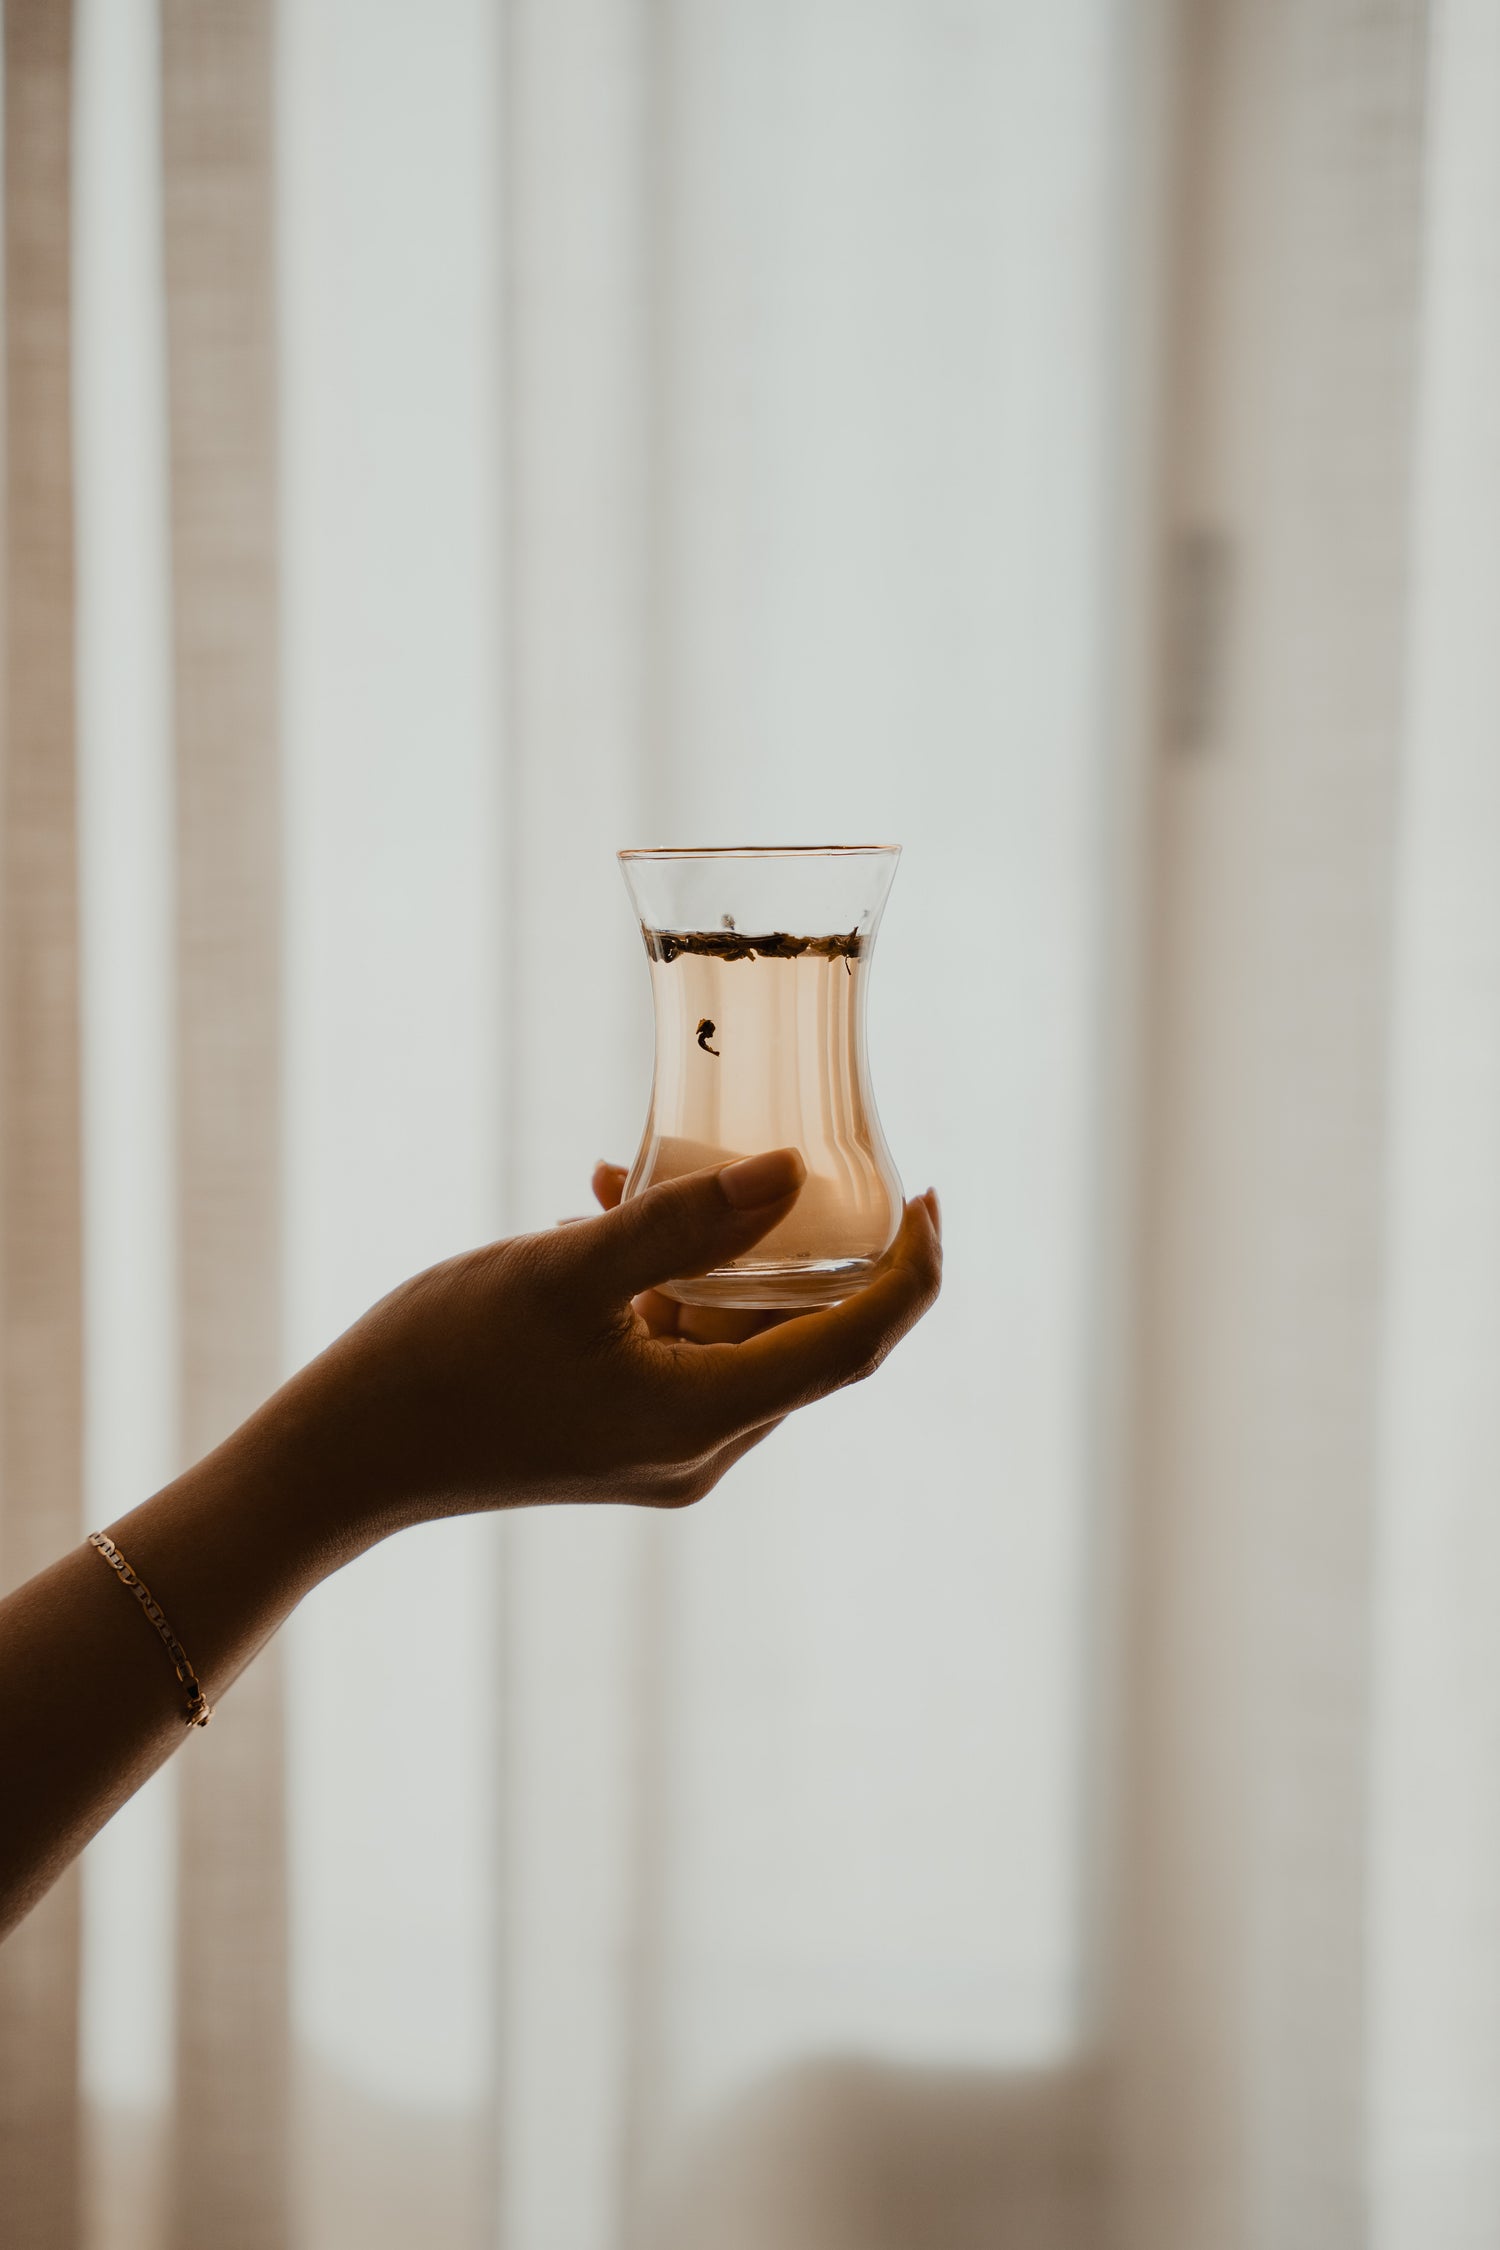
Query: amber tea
[(760, 1044)]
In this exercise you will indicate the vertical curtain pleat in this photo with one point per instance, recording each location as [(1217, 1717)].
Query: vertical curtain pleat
[(578, 79), (230, 2162), (1245, 2014), (40, 1248), (388, 290), (1434, 1933)]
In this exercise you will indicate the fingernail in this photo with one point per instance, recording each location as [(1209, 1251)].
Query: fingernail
[(755, 1180), (935, 1210)]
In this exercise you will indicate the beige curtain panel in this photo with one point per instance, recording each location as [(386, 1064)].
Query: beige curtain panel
[(1050, 1798)]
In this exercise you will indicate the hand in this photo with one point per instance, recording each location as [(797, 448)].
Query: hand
[(663, 1315), (548, 1367)]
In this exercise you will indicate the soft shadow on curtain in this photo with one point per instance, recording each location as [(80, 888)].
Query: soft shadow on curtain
[(1046, 1798)]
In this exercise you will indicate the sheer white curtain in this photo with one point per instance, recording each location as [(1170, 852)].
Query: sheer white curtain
[(1306, 1991), (685, 426), (1043, 1798)]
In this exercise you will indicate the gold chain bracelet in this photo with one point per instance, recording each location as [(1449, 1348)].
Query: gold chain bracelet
[(198, 1711)]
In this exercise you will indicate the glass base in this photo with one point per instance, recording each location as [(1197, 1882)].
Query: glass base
[(779, 1287)]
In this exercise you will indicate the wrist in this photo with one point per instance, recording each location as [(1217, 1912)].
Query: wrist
[(303, 1470)]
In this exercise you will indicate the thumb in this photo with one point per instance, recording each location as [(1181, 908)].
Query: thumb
[(682, 1227)]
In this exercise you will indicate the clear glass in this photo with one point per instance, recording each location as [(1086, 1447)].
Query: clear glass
[(760, 963)]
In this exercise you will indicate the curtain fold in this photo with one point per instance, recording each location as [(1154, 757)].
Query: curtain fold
[(1240, 2071), (41, 1324), (574, 2064), (233, 2043), (1434, 2065)]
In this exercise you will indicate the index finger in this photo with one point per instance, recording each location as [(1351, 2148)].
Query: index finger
[(806, 1358)]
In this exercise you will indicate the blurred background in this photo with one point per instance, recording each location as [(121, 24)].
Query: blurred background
[(1049, 1798)]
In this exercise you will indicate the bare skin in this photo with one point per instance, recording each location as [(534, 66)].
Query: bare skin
[(543, 1368)]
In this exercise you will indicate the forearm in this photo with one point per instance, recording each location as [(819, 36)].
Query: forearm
[(520, 1374), (90, 1704)]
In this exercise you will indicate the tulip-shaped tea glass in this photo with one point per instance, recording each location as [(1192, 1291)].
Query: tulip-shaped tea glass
[(759, 965)]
